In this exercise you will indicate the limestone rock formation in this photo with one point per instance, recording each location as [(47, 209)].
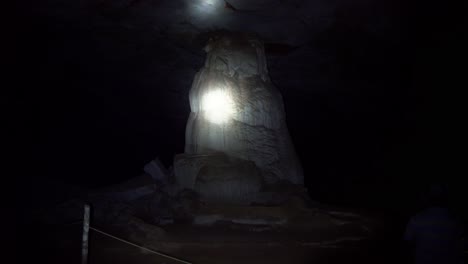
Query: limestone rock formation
[(218, 177), (236, 111)]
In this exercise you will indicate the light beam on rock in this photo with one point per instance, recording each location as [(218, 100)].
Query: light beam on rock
[(217, 106)]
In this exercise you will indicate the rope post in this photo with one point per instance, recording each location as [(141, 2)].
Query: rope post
[(84, 248)]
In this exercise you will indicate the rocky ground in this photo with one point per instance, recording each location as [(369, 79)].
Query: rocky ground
[(226, 243), (295, 232)]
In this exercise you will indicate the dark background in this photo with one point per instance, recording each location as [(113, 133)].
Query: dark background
[(374, 111)]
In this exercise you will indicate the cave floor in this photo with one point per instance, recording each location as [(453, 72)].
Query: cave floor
[(221, 244)]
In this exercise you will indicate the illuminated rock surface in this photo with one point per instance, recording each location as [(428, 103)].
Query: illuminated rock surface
[(236, 110)]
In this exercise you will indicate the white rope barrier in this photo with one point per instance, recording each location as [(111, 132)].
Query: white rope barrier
[(138, 246)]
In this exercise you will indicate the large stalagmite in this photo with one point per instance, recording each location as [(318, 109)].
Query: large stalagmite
[(236, 136)]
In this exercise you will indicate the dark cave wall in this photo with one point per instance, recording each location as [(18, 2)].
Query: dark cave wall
[(101, 98)]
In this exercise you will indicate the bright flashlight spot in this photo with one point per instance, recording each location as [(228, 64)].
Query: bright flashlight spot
[(203, 10), (209, 2), (217, 106)]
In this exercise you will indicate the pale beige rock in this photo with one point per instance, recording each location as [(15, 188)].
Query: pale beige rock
[(236, 138), (255, 129)]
